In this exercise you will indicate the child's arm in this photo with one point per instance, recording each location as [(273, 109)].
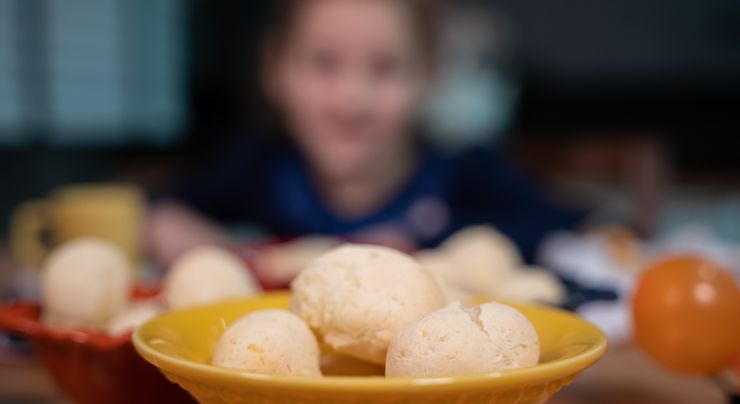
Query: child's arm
[(222, 189), (172, 229)]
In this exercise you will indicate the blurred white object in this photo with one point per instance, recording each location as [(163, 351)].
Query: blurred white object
[(206, 275), (586, 260), (85, 283), (613, 318)]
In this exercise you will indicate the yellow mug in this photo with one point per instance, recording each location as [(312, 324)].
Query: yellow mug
[(112, 212)]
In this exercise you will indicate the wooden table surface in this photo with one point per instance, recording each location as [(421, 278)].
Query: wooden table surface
[(624, 375)]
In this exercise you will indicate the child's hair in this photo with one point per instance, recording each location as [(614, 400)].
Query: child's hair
[(423, 14)]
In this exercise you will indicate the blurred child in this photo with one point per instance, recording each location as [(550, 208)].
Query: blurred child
[(347, 79)]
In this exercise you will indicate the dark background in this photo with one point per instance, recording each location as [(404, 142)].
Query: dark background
[(664, 72)]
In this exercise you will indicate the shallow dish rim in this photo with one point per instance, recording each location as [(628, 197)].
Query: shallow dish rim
[(544, 372)]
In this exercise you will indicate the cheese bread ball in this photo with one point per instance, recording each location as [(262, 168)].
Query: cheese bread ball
[(270, 342), (443, 271), (531, 285), (84, 284), (481, 258), (207, 275), (357, 296), (463, 340)]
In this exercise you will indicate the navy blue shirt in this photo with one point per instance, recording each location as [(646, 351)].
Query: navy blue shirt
[(268, 185)]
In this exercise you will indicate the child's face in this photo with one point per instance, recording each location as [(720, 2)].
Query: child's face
[(348, 81)]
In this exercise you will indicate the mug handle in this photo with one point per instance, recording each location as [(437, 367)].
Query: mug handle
[(29, 229)]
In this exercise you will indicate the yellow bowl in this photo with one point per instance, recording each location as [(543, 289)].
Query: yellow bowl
[(181, 343)]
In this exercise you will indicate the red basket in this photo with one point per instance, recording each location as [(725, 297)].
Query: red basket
[(91, 367)]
